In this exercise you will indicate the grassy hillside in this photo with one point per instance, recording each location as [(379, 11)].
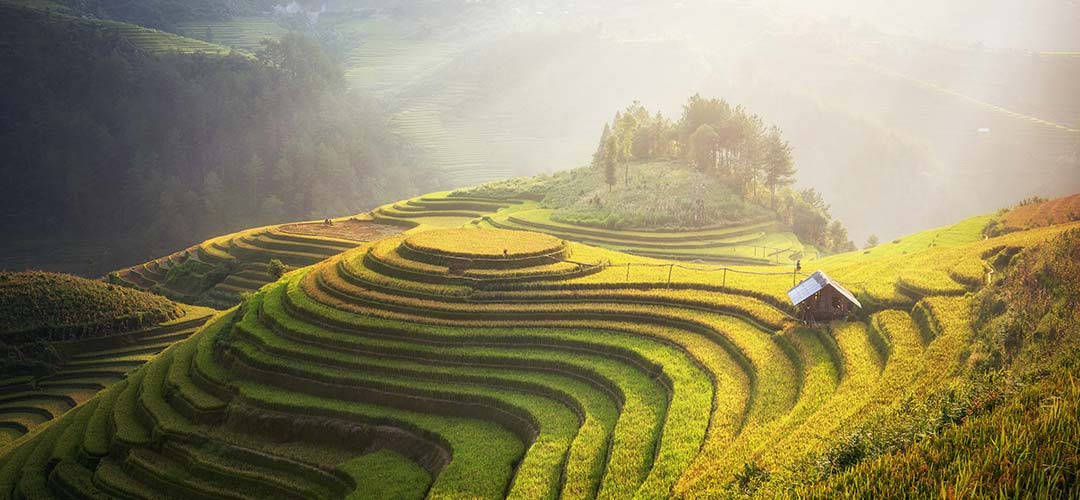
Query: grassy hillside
[(63, 339), (1042, 213), (653, 195), (51, 307), (482, 363)]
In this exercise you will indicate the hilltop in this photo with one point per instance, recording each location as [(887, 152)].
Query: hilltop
[(661, 194), (717, 167), (454, 362), (50, 306), (64, 338)]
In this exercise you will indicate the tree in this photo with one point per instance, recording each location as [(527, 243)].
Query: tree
[(660, 132), (810, 217), (751, 152), (644, 143), (601, 149), (838, 238), (250, 174), (609, 162), (698, 111), (703, 148), (275, 268), (871, 241), (305, 66), (625, 128), (778, 165)]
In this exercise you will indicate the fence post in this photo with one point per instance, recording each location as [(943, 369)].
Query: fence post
[(669, 268), (628, 264)]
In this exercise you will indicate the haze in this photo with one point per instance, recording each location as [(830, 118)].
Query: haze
[(904, 116)]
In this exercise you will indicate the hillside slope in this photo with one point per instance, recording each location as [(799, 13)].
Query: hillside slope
[(64, 338), (218, 271), (481, 363), (200, 140)]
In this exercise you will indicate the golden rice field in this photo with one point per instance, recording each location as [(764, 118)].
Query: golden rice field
[(461, 361)]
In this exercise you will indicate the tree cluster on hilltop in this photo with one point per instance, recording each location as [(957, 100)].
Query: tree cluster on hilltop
[(728, 144), (104, 140)]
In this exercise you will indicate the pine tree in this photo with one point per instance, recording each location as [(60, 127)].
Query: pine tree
[(601, 149), (779, 165), (609, 162)]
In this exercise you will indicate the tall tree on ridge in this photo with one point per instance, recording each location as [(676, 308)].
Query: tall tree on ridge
[(610, 154), (624, 133), (779, 165), (703, 148), (601, 149)]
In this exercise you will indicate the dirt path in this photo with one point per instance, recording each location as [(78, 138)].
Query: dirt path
[(348, 229)]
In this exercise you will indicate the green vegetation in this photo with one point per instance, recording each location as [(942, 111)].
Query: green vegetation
[(56, 307), (1008, 426), (202, 144), (651, 174), (620, 330), (165, 14), (66, 338), (218, 271), (392, 370)]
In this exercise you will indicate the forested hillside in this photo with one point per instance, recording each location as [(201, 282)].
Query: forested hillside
[(111, 138)]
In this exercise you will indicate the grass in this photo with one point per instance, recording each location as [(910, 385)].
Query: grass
[(655, 195), (1023, 449), (385, 474)]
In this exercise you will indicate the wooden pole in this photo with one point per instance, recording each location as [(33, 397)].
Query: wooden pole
[(669, 268), (628, 264)]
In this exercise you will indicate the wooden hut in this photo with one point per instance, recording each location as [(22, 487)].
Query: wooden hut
[(820, 298)]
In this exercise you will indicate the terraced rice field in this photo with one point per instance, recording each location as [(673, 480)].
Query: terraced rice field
[(441, 210), (244, 256), (161, 42), (89, 366), (243, 33), (384, 56), (754, 243), (481, 363)]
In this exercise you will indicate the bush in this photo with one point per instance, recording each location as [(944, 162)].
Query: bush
[(219, 273), (53, 307), (275, 268)]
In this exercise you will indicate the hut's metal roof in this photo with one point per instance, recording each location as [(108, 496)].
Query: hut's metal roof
[(814, 284)]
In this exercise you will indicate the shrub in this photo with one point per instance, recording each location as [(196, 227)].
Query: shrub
[(275, 268)]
